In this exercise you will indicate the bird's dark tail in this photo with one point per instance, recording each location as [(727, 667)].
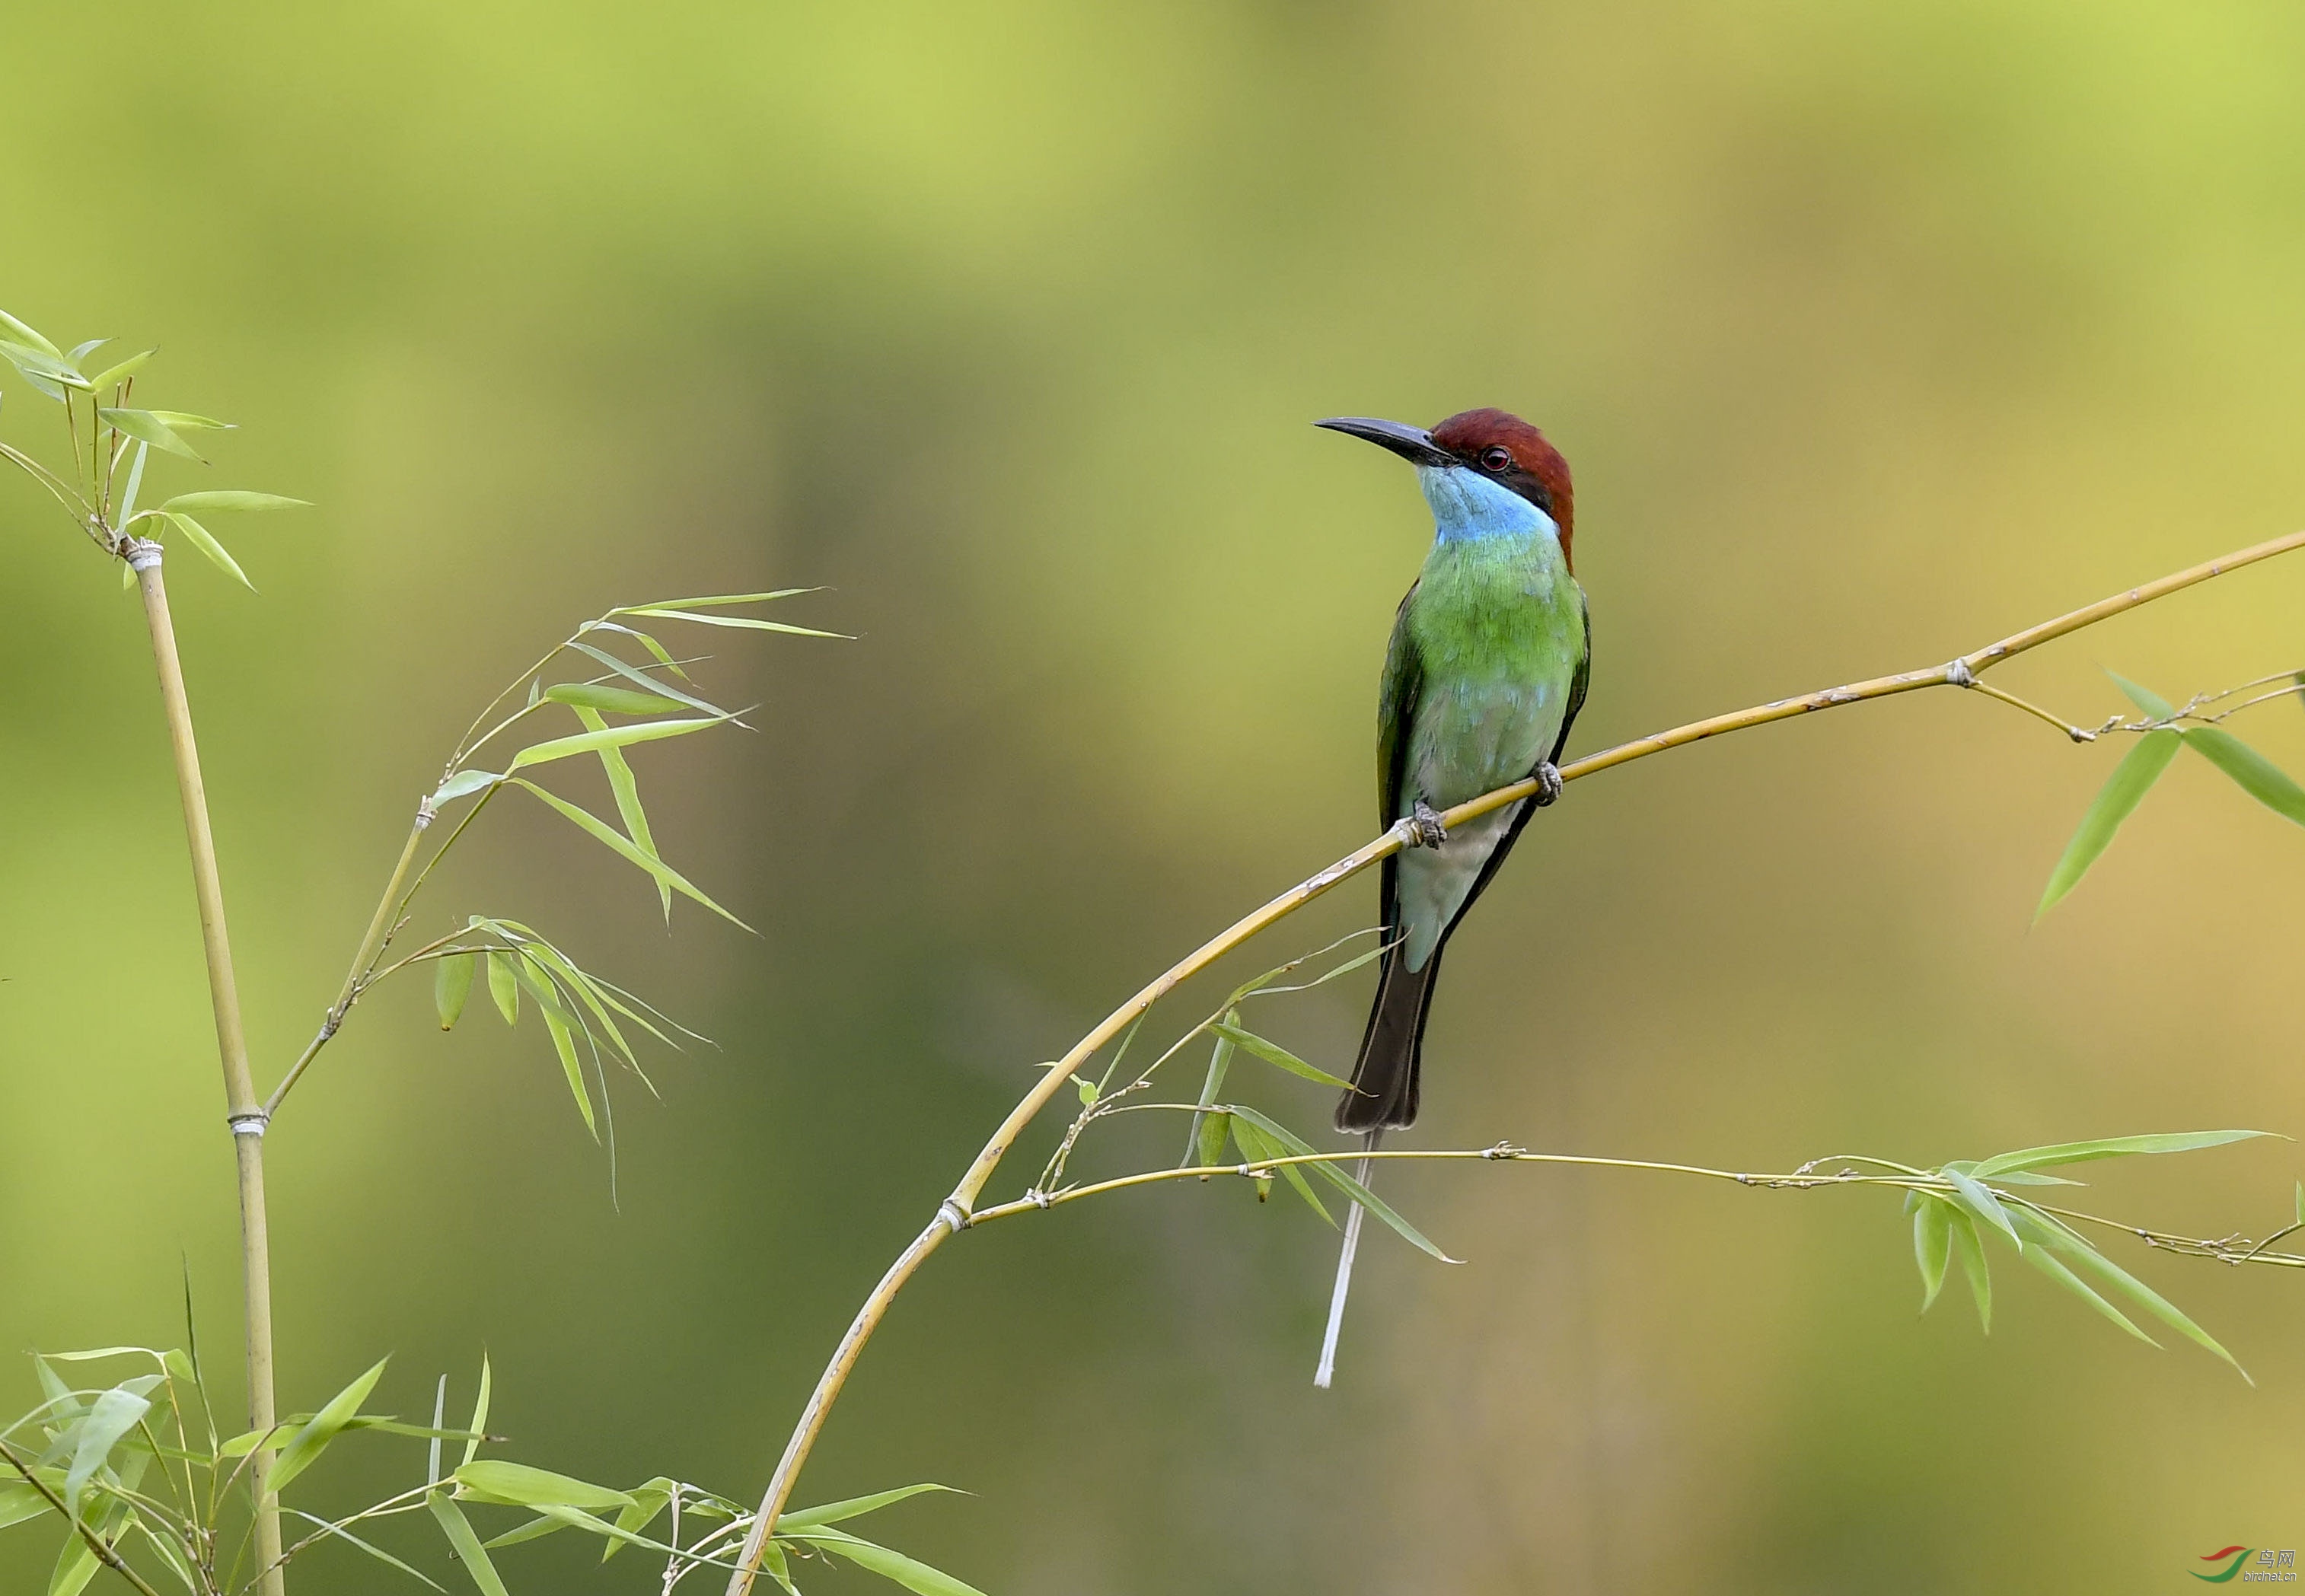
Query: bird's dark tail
[(1383, 1096)]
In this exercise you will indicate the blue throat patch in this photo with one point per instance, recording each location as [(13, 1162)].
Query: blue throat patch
[(1468, 505)]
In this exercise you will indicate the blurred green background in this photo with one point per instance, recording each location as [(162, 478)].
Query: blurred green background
[(1874, 332)]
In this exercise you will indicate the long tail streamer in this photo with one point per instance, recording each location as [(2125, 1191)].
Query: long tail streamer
[(1328, 1369)]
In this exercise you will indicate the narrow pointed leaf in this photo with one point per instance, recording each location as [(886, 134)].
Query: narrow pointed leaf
[(466, 1545), (2251, 770), (1344, 1182), (564, 1043), (205, 541), (114, 375), (2048, 1263), (1971, 1250), (111, 1415), (608, 835), (627, 789), (663, 655), (1277, 1056), (716, 601), (305, 1446), (622, 736), (2082, 1252), (25, 335), (804, 1518), (745, 622), (183, 422), (1257, 1148), (2123, 791), (1981, 1203), (479, 1424), (915, 1577), (615, 700), (44, 369), (2109, 1147), (1932, 1244), (146, 428), (517, 1485), (647, 1501), (633, 673), (19, 1502), (452, 984), (462, 783), (504, 986), (234, 498), (2144, 698), (135, 481)]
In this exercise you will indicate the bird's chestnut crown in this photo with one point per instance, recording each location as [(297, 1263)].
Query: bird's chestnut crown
[(1502, 446)]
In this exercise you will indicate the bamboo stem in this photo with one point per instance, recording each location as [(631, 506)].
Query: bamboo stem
[(244, 1113), (954, 1213)]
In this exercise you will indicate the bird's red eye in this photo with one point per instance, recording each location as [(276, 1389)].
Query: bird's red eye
[(1496, 458)]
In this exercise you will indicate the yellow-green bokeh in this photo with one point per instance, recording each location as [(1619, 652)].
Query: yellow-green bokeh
[(1873, 333)]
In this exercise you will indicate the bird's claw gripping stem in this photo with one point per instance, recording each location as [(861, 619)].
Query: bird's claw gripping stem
[(1548, 783), (1425, 830)]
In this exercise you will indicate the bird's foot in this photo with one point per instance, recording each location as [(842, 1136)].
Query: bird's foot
[(1548, 783), (1425, 828)]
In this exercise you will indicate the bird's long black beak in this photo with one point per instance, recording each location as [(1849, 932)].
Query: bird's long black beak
[(1412, 444)]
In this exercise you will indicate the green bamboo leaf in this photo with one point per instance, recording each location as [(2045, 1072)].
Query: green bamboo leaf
[(1981, 1203), (2072, 1245), (1277, 1056), (19, 1502), (466, 1545), (205, 541), (564, 1043), (111, 1415), (625, 787), (615, 700), (343, 1534), (2251, 770), (622, 736), (305, 1446), (915, 1577), (26, 336), (114, 375), (504, 986), (2002, 1165), (587, 992), (462, 783), (2123, 791), (452, 983), (748, 623), (1257, 1148), (234, 498), (479, 1424), (1932, 1244), (772, 1558), (48, 372), (1344, 1182), (2144, 698), (2047, 1263), (135, 481), (716, 601), (616, 843), (647, 1500), (184, 422), (662, 655), (517, 1485), (632, 674), (1204, 1140), (806, 1518), (76, 1563), (1971, 1250), (145, 427)]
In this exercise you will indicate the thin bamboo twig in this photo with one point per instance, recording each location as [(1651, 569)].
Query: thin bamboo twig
[(244, 1113), (953, 1214)]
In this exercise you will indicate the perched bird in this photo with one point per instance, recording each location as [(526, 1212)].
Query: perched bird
[(1486, 672)]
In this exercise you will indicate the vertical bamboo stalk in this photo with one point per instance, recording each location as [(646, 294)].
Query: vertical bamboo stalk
[(244, 1113)]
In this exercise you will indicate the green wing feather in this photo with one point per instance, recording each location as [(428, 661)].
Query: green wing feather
[(1396, 713), (1580, 681)]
